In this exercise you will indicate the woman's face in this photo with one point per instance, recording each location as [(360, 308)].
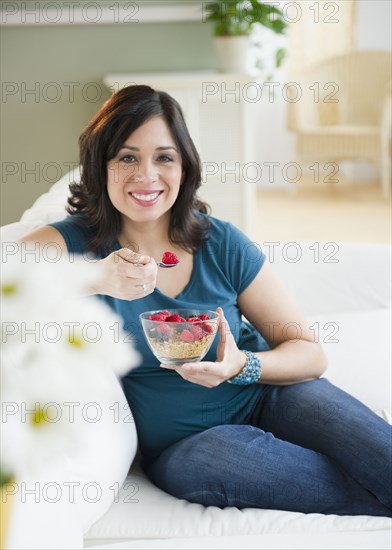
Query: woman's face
[(144, 177)]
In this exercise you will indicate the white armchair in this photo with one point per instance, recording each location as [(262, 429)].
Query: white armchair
[(345, 112)]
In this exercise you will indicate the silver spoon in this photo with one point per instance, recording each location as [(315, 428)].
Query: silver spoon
[(161, 264)]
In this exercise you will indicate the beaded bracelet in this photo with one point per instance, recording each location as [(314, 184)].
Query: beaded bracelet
[(250, 373)]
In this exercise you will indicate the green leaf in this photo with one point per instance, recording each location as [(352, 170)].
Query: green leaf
[(278, 26), (279, 57), (236, 17)]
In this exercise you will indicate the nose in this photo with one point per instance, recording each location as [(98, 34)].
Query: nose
[(145, 172)]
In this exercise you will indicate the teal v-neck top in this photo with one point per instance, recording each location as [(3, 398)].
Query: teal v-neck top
[(167, 408)]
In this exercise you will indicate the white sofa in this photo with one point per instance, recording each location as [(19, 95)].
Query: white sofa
[(344, 288)]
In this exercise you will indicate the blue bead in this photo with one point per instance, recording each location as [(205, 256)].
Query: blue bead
[(250, 373)]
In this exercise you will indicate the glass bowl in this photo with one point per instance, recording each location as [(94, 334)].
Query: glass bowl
[(177, 336)]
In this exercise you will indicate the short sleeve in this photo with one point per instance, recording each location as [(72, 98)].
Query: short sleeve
[(75, 232), (247, 260), (240, 258)]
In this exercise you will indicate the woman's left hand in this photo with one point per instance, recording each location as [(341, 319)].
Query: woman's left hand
[(229, 361)]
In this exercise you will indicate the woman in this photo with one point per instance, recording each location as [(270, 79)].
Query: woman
[(288, 440)]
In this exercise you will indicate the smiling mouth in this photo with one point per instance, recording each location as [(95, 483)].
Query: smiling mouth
[(145, 197)]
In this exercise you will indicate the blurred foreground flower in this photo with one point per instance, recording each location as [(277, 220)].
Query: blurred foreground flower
[(58, 350)]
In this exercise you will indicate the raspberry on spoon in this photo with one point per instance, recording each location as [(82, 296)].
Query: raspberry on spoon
[(169, 258)]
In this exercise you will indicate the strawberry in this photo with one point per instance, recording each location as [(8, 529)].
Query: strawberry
[(203, 317), (169, 258), (175, 319), (197, 332), (187, 336), (163, 328)]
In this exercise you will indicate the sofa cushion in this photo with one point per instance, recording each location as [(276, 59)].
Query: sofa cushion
[(360, 540), (330, 277), (358, 347), (143, 511), (50, 206)]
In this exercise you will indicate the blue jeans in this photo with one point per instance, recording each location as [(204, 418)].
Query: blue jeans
[(307, 447)]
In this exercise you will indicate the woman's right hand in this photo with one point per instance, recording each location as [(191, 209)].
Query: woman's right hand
[(122, 279), (117, 276)]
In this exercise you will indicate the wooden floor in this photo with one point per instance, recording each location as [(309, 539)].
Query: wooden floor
[(348, 213)]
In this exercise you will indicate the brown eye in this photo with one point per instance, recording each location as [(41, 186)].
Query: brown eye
[(165, 158), (128, 159)]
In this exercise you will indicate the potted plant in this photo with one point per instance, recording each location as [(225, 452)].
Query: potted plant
[(233, 23)]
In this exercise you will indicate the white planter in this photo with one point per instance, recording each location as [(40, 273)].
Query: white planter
[(232, 54)]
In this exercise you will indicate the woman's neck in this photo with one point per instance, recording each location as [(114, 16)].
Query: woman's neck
[(151, 238)]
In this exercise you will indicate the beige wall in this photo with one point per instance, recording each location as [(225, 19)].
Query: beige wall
[(40, 130)]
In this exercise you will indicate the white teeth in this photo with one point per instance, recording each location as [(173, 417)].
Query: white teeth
[(146, 198)]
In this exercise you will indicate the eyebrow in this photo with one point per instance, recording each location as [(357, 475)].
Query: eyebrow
[(163, 148)]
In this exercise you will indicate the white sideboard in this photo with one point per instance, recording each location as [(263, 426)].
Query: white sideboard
[(221, 111)]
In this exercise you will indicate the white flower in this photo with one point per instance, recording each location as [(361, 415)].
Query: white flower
[(42, 314), (29, 282), (59, 353), (34, 424)]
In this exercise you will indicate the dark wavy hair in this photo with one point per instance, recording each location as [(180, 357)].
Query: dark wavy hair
[(103, 137)]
